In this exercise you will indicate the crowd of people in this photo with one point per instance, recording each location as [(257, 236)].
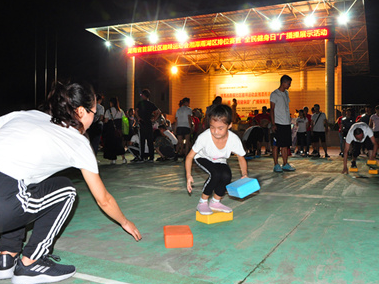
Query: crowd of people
[(273, 129)]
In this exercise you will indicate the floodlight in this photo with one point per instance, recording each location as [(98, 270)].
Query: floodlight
[(153, 38), (241, 29), (129, 41), (310, 20), (107, 43), (174, 69), (343, 19), (275, 24), (181, 36)]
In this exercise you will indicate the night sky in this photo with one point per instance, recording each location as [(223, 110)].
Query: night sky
[(34, 31)]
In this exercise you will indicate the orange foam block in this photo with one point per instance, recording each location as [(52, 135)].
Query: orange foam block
[(216, 217), (371, 162), (353, 170), (373, 171), (179, 236)]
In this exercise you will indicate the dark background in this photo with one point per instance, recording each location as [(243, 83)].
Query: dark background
[(34, 33)]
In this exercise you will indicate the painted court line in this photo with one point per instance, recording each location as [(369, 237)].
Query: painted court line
[(355, 220), (95, 279)]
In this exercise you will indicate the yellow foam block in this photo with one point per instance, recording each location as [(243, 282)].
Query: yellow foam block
[(371, 162), (216, 217), (353, 169), (373, 172)]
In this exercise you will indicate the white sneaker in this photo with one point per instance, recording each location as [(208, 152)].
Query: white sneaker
[(113, 162)]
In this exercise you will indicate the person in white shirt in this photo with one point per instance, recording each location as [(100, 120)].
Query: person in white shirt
[(183, 126), (210, 152), (359, 134), (319, 127), (281, 124), (302, 125), (28, 193)]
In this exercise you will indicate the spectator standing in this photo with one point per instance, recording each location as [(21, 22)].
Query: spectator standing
[(339, 123), (263, 119), (146, 113), (281, 123), (319, 131), (96, 128), (183, 124), (365, 117), (302, 125), (234, 111), (346, 122), (113, 143)]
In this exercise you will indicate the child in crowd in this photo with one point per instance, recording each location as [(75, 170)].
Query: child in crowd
[(28, 192), (210, 152), (252, 139), (163, 146), (302, 125)]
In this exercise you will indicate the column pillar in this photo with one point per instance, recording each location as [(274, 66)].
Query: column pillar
[(130, 75), (303, 83), (329, 79)]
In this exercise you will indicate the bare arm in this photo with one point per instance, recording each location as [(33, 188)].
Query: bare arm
[(272, 115), (108, 204), (326, 125), (243, 166), (188, 167)]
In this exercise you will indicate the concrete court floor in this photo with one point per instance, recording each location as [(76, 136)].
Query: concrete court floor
[(314, 225)]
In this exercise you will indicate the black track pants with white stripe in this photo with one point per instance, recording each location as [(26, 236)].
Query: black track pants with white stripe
[(220, 175), (46, 204)]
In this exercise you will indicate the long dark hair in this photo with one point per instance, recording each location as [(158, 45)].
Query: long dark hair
[(115, 103), (64, 99)]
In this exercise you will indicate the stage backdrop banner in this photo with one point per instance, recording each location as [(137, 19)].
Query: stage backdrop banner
[(249, 96)]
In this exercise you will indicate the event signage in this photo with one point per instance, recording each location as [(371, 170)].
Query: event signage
[(261, 38)]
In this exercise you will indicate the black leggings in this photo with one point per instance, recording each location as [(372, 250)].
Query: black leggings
[(47, 204), (220, 175)]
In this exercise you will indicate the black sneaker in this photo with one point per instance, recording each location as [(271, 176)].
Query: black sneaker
[(44, 270), (353, 164), (7, 265), (327, 156)]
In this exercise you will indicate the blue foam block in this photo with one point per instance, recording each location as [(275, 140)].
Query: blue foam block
[(243, 187)]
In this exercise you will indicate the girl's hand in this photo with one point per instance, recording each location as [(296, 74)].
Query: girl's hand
[(244, 176), (189, 184)]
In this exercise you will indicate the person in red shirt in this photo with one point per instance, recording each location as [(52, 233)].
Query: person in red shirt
[(263, 119), (309, 117), (339, 122)]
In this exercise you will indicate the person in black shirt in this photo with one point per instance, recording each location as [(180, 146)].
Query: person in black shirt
[(146, 113)]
